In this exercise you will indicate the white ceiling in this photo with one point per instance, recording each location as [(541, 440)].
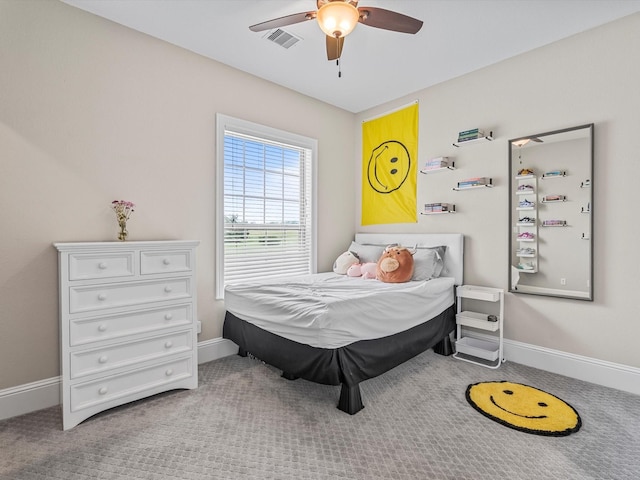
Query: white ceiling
[(458, 36)]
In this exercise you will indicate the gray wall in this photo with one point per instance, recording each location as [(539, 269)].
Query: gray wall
[(91, 111), (590, 77)]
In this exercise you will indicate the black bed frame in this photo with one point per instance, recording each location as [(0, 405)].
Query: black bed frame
[(348, 365)]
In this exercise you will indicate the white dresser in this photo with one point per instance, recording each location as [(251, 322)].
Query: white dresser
[(127, 323)]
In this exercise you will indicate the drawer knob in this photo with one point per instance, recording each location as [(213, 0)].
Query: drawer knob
[(103, 391), (102, 265), (168, 316), (102, 297), (169, 372), (166, 261), (168, 344), (103, 359), (168, 289), (102, 327)]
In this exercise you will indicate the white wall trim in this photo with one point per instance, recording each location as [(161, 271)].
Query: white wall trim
[(34, 396), (600, 372), (29, 397)]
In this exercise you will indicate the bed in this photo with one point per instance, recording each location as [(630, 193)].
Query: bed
[(337, 330)]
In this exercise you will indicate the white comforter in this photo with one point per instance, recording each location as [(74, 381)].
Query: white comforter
[(327, 310)]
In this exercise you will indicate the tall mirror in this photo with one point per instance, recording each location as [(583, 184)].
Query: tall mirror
[(551, 213)]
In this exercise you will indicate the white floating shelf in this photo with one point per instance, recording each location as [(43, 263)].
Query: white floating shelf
[(546, 176), (526, 192), (487, 138), (525, 177), (525, 224)]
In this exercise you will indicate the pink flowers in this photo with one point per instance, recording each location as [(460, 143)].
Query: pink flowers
[(123, 209)]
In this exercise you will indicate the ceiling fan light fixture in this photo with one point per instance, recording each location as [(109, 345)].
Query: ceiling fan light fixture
[(338, 18), (521, 142)]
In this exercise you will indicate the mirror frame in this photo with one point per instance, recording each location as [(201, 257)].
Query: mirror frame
[(588, 296)]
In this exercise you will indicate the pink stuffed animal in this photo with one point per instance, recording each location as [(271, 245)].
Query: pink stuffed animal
[(368, 270), (364, 270), (354, 270)]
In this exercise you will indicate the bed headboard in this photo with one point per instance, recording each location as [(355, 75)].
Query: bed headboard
[(453, 262)]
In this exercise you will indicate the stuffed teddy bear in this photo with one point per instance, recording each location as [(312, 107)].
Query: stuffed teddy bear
[(395, 265), (344, 261)]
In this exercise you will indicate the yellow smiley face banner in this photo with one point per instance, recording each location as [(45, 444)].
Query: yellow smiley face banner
[(389, 168)]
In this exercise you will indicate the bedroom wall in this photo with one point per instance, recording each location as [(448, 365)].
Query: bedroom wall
[(91, 111), (590, 77)]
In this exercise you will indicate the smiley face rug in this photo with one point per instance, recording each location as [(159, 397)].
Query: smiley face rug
[(524, 408)]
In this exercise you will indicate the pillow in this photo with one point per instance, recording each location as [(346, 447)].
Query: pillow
[(367, 253), (428, 262)]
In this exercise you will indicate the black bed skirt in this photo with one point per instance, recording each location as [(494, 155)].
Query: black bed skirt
[(348, 365)]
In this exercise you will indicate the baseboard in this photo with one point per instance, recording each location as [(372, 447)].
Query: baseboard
[(215, 348), (34, 396), (600, 372)]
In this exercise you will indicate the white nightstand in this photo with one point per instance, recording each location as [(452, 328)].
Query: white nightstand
[(484, 351)]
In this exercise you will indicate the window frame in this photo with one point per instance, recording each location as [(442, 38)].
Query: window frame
[(225, 123)]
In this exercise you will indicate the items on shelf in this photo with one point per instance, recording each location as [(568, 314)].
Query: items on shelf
[(526, 267), (524, 189), (439, 208), (526, 252), (472, 134), (554, 198), (438, 164), (554, 174), (526, 204), (474, 182), (525, 172), (526, 221), (554, 223), (526, 237)]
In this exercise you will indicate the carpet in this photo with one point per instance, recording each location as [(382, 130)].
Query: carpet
[(524, 408)]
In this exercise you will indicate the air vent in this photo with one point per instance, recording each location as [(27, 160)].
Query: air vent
[(282, 38)]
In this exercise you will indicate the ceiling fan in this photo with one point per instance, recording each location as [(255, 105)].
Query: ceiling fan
[(337, 18)]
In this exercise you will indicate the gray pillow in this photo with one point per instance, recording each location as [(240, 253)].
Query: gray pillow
[(367, 253), (428, 262)]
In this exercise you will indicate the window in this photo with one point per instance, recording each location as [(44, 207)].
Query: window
[(265, 203)]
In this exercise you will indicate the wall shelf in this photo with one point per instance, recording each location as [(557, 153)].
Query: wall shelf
[(439, 169), (438, 208), (549, 175), (486, 138)]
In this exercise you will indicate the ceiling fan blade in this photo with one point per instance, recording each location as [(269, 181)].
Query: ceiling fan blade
[(388, 20), (283, 21), (334, 47)]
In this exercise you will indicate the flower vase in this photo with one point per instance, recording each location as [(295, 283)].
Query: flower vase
[(122, 234)]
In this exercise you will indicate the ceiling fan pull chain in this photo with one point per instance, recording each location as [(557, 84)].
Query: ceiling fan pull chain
[(339, 69)]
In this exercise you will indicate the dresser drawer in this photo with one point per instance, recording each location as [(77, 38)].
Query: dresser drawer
[(98, 297), (88, 394), (95, 329), (88, 362), (171, 261), (87, 266)]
